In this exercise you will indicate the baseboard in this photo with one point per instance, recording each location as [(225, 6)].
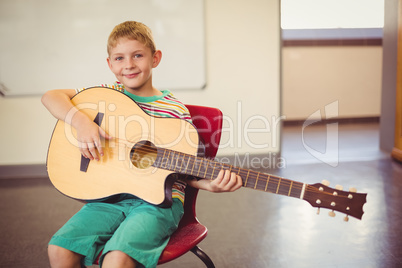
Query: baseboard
[(23, 171), (343, 121)]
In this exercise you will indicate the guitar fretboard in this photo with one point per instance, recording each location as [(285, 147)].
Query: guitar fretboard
[(209, 169)]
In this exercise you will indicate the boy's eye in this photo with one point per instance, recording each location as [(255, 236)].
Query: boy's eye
[(118, 58), (137, 55)]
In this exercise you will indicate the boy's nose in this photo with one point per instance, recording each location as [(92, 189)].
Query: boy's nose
[(130, 63)]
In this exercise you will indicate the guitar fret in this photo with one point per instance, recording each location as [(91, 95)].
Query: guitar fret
[(167, 159), (277, 188), (192, 169), (182, 163), (256, 181), (171, 159), (206, 169), (198, 173), (177, 164), (177, 159), (172, 165), (182, 158), (213, 171), (266, 186), (303, 191), (290, 188), (188, 162), (245, 183), (160, 162), (236, 170)]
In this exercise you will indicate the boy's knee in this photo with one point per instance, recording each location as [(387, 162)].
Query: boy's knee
[(119, 259), (61, 257)]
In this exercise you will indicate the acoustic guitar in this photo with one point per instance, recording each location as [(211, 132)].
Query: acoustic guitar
[(146, 154)]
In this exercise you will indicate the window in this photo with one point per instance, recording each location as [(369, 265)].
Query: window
[(332, 22), (332, 14)]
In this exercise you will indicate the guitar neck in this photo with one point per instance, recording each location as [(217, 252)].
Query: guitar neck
[(209, 169)]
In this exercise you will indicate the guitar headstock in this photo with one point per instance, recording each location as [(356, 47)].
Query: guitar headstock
[(348, 202)]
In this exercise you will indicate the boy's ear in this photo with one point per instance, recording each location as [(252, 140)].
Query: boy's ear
[(109, 63), (157, 58)]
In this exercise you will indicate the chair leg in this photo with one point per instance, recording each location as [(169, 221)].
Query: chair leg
[(203, 256)]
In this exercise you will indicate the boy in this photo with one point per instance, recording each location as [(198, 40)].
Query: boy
[(131, 232)]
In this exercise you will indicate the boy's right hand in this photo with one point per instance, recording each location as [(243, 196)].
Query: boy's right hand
[(89, 140), (89, 134)]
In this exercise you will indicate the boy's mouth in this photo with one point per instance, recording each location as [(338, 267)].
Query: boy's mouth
[(133, 75)]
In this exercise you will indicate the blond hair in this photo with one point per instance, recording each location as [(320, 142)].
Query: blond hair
[(132, 30)]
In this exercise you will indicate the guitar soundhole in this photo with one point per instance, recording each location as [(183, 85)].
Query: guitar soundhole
[(143, 154)]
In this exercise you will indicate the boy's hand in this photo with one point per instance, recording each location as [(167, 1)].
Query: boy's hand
[(89, 140), (89, 134), (226, 181)]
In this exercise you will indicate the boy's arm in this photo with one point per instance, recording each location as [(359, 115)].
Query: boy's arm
[(59, 104), (226, 181)]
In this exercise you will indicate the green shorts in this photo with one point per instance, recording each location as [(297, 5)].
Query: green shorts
[(132, 226)]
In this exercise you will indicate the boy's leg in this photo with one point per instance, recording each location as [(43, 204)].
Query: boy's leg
[(88, 230), (60, 257), (145, 232), (118, 259)]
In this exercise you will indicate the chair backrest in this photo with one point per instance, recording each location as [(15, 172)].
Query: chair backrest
[(208, 122)]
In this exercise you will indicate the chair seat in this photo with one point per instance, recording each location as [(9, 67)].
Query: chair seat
[(183, 240)]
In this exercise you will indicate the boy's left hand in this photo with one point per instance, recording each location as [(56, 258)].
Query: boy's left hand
[(226, 181)]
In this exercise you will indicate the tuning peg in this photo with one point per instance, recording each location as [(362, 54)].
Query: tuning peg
[(346, 218), (331, 213), (325, 182), (339, 187), (352, 189)]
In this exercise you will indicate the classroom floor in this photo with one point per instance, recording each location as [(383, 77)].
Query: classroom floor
[(251, 228)]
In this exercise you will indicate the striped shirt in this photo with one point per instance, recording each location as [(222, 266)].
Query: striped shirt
[(165, 105)]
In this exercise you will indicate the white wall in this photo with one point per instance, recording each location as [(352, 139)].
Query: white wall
[(243, 80), (243, 59), (243, 73), (26, 128)]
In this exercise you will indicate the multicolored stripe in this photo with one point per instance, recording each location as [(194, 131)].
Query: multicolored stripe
[(169, 106), (118, 86)]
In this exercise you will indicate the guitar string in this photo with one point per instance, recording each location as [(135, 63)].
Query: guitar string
[(145, 148), (193, 159), (255, 175), (273, 178)]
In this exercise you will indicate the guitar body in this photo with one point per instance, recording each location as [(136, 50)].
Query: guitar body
[(122, 169)]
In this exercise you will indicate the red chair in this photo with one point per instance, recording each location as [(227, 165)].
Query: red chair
[(191, 232)]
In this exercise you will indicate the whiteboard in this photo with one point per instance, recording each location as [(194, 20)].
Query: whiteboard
[(51, 44)]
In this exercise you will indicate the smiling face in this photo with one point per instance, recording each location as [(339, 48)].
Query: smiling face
[(132, 63)]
